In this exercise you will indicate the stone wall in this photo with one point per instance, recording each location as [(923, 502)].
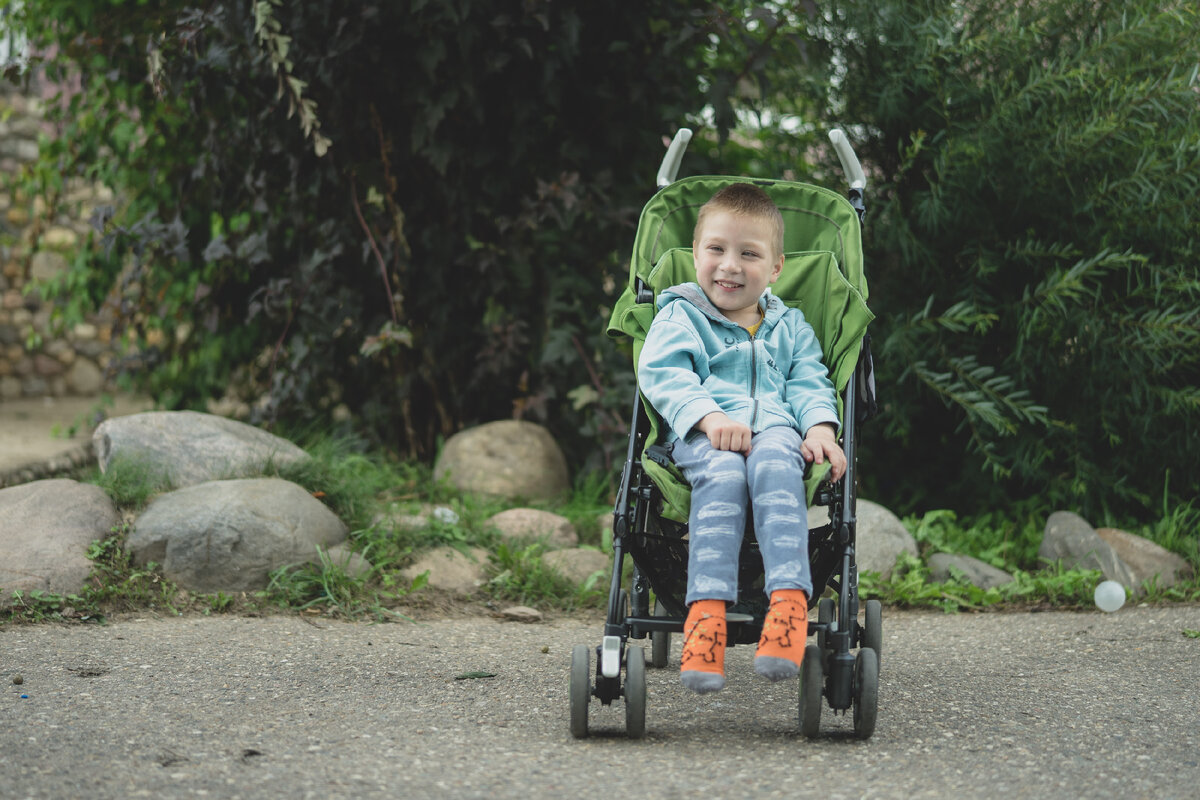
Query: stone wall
[(39, 358)]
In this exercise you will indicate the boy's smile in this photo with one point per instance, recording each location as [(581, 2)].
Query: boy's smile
[(735, 263)]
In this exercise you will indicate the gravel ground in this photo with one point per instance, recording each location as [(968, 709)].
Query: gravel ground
[(994, 705)]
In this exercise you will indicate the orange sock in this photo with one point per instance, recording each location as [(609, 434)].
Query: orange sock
[(703, 667), (784, 635)]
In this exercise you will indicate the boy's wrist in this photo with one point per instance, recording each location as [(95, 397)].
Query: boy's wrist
[(823, 429)]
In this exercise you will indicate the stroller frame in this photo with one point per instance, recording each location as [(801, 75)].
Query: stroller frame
[(830, 670)]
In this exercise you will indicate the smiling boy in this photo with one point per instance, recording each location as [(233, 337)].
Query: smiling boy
[(738, 378)]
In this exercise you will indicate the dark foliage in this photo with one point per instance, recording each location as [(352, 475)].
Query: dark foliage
[(418, 210), (1032, 249)]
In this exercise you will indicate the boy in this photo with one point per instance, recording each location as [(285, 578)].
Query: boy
[(738, 378)]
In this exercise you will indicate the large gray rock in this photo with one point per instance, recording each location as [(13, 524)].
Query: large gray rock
[(978, 573), (530, 523), (45, 530), (510, 459), (578, 564), (1146, 559), (192, 447), (450, 570), (228, 535), (881, 538), (350, 562), (1069, 538)]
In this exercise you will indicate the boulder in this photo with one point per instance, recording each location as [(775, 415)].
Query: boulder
[(450, 570), (352, 563), (510, 459), (529, 523), (978, 573), (1146, 559), (881, 538), (521, 614), (1069, 538), (46, 528), (229, 535), (192, 447), (578, 564)]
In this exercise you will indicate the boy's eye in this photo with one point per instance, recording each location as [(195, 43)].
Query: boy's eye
[(750, 254)]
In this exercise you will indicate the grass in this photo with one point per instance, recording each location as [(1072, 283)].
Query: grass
[(395, 510), (1011, 543), (131, 484), (522, 577)]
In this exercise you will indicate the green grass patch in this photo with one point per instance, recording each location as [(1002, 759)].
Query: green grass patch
[(395, 510), (1176, 530), (329, 587), (521, 576), (909, 586), (1003, 542), (131, 484)]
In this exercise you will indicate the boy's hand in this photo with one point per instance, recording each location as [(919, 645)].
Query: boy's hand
[(820, 444), (725, 434)]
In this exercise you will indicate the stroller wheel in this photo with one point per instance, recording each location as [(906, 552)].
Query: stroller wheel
[(581, 690), (812, 680), (826, 607), (872, 635), (660, 642), (826, 610), (866, 692), (635, 692)]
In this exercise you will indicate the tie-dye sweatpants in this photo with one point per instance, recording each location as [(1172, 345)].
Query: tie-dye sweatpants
[(723, 483)]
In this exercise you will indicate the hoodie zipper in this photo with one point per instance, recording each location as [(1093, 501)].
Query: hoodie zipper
[(753, 382), (754, 376)]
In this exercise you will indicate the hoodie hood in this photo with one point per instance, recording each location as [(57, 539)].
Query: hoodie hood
[(773, 308)]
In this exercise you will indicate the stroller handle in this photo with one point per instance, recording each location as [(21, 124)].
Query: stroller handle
[(674, 157), (850, 165)]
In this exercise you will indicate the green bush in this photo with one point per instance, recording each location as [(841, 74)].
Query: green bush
[(1032, 248)]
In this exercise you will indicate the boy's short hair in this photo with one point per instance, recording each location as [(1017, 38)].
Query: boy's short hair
[(749, 200)]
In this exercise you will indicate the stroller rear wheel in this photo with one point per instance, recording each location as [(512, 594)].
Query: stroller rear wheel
[(660, 642), (866, 692), (826, 611), (635, 692), (581, 690), (872, 635), (812, 681)]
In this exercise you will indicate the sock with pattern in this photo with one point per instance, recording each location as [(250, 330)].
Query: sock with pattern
[(703, 666), (784, 635)]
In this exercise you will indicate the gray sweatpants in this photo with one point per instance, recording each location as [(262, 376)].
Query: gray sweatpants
[(723, 484)]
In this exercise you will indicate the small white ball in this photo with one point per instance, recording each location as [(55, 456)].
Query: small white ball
[(1109, 596)]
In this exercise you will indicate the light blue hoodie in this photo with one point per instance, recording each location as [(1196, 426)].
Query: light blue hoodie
[(695, 362)]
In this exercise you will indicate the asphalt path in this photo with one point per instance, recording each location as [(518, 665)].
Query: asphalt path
[(1009, 705)]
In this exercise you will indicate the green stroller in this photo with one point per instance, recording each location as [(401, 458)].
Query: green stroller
[(823, 276)]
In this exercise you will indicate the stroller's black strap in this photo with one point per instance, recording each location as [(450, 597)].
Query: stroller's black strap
[(661, 454)]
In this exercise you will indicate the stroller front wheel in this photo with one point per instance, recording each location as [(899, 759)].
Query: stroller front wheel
[(812, 682), (580, 690), (866, 692), (635, 692)]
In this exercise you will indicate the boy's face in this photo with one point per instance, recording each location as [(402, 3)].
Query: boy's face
[(735, 262)]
